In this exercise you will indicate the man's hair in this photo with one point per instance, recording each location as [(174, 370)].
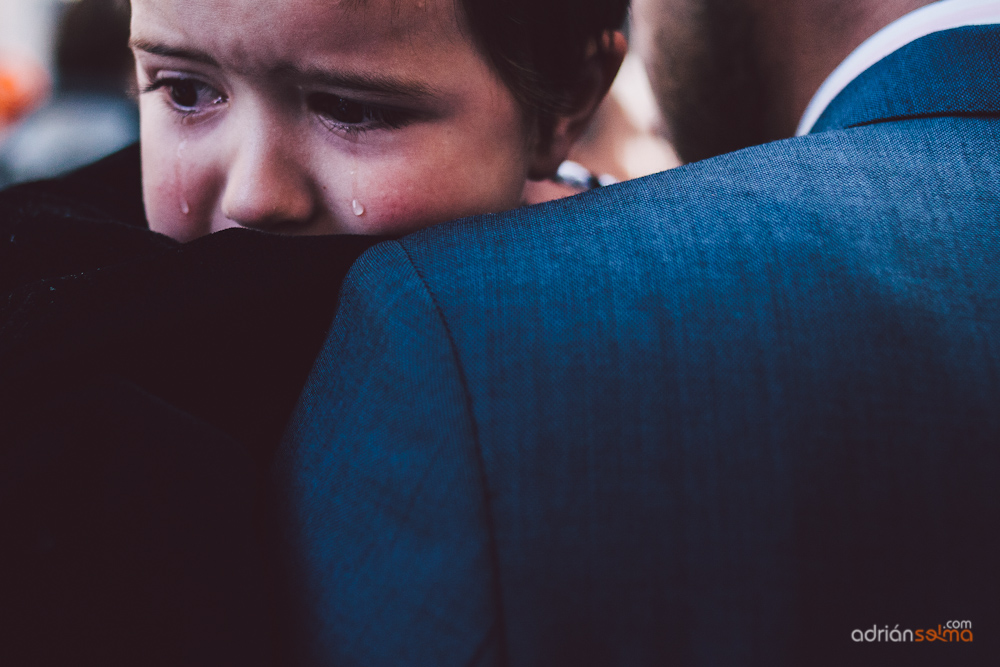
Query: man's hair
[(539, 47)]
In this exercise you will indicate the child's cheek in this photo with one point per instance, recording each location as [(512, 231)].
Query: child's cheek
[(160, 192), (403, 209), (178, 198), (414, 199)]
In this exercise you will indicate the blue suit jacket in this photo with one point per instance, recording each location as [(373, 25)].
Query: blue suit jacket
[(726, 414)]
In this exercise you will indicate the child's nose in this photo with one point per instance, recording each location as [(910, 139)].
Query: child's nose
[(266, 188)]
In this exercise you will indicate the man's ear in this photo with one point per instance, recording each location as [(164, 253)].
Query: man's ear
[(600, 70)]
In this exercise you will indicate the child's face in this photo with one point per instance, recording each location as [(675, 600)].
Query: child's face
[(320, 117)]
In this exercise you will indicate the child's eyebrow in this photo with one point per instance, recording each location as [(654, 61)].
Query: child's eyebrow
[(171, 52), (367, 82)]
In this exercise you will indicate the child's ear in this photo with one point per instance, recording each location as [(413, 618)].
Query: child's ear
[(600, 70)]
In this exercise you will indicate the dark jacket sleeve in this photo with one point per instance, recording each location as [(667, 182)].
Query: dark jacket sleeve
[(144, 385)]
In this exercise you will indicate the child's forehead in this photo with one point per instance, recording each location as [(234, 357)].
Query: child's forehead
[(243, 30)]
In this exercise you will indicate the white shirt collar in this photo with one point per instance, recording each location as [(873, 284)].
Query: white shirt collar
[(941, 15)]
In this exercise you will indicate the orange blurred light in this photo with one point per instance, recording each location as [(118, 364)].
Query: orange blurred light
[(23, 87)]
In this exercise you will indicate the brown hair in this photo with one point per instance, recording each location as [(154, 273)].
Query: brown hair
[(539, 47)]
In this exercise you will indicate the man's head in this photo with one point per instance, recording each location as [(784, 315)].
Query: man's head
[(735, 73), (704, 69)]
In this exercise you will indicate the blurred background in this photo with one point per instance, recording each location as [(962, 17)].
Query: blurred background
[(67, 96)]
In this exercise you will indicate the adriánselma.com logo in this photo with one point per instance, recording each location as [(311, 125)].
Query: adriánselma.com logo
[(952, 631)]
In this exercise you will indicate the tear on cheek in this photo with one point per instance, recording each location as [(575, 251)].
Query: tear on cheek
[(180, 172), (169, 212)]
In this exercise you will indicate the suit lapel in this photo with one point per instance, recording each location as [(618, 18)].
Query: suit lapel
[(949, 73)]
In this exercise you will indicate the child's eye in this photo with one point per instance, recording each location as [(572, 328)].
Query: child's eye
[(353, 116), (188, 95)]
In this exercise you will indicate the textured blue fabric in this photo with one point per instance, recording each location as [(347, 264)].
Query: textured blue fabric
[(953, 72), (419, 512), (721, 415)]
